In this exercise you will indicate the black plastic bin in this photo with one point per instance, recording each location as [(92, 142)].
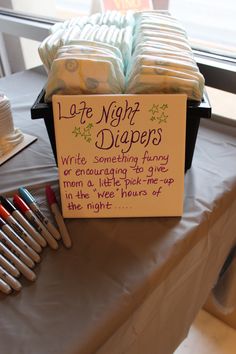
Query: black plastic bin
[(195, 111)]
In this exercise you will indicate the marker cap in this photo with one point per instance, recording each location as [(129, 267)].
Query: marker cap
[(20, 204), (3, 212), (50, 195), (7, 204), (28, 198)]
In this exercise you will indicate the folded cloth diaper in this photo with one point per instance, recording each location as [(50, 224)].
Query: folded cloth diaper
[(77, 21), (157, 17), (120, 38), (147, 84), (177, 72), (108, 18), (153, 71), (162, 60), (154, 60), (111, 52), (163, 53), (104, 47), (115, 62), (70, 76), (89, 47), (182, 45), (152, 74), (49, 47), (125, 45)]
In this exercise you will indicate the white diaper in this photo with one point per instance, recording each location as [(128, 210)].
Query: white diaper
[(70, 76), (142, 84), (111, 52), (115, 62)]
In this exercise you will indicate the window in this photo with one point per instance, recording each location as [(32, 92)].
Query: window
[(211, 29), (209, 24)]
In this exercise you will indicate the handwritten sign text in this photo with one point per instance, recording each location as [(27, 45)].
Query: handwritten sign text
[(120, 155)]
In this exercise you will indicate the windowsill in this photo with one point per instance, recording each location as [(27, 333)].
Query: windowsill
[(223, 105)]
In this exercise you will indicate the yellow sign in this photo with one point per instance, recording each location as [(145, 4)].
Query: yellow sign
[(124, 5), (120, 155)]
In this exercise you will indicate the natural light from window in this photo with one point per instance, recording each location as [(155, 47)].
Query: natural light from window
[(210, 24)]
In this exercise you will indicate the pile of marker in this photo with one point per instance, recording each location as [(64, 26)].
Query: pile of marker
[(24, 232)]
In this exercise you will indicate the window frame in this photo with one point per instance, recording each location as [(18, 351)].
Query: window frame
[(219, 71)]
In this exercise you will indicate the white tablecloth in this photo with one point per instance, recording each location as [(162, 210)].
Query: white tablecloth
[(128, 285)]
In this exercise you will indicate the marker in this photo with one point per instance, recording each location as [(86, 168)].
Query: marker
[(16, 250), (19, 229), (10, 280), (26, 271), (22, 221), (29, 199), (19, 241), (58, 217), (4, 287), (9, 267), (23, 207)]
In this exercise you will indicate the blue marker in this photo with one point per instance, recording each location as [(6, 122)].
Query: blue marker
[(29, 199)]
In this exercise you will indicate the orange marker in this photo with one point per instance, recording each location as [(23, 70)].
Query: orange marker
[(33, 219), (19, 229)]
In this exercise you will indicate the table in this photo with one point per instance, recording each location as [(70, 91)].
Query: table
[(127, 286)]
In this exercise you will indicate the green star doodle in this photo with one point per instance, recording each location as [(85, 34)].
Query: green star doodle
[(76, 131), (154, 109), (162, 118), (86, 133), (159, 113), (164, 106)]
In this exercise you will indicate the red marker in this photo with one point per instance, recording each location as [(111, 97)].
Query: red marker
[(58, 217), (19, 229), (22, 221), (32, 218)]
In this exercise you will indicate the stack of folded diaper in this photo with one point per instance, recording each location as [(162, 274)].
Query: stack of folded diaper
[(162, 60), (86, 68), (110, 27), (113, 53)]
